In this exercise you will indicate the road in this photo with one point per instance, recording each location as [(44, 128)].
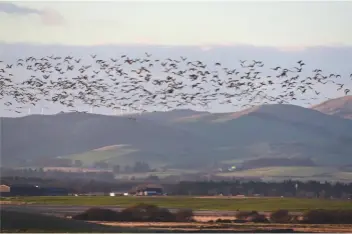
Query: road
[(62, 210)]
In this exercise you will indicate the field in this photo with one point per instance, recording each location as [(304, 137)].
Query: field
[(219, 227), (12, 221), (318, 173), (107, 154), (266, 173), (195, 203)]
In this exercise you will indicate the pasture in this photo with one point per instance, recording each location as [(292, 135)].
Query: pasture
[(300, 173), (108, 154), (195, 203)]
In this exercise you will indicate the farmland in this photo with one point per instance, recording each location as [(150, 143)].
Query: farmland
[(195, 203)]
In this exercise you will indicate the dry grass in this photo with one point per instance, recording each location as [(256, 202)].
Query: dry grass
[(26, 222), (12, 203), (197, 226), (204, 219), (109, 147), (281, 171), (191, 117), (230, 197)]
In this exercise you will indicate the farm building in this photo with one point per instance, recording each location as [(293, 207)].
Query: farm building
[(31, 190), (147, 190), (4, 190)]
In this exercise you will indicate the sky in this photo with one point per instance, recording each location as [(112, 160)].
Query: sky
[(278, 32), (276, 23)]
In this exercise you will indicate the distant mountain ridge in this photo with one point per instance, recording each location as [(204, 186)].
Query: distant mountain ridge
[(71, 133), (181, 137), (341, 107)]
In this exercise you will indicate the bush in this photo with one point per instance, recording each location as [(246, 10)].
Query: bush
[(245, 214), (251, 216), (184, 215), (98, 214), (239, 221), (223, 221), (161, 215), (328, 217), (144, 213), (280, 216), (258, 218), (138, 213)]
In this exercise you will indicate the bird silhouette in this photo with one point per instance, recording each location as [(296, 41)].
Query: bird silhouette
[(124, 81)]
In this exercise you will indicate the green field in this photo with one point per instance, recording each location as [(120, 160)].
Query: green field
[(116, 154), (259, 204), (316, 173), (282, 171)]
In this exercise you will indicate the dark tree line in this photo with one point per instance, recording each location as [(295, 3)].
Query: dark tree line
[(227, 188), (138, 167), (252, 188)]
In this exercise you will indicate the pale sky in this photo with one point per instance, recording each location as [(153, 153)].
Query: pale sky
[(278, 24), (277, 32)]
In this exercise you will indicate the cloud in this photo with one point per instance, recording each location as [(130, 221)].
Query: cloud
[(52, 17), (48, 16), (11, 8)]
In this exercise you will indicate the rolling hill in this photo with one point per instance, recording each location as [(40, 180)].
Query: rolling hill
[(181, 138), (278, 130), (341, 107), (37, 136)]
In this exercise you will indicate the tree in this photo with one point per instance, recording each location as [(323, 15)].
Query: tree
[(128, 169), (153, 178), (101, 165), (78, 163), (141, 167), (116, 169)]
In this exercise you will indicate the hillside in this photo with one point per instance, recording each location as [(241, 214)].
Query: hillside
[(37, 136), (278, 130), (181, 138), (167, 116), (341, 107)]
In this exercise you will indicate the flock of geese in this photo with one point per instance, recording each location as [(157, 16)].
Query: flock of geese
[(138, 83)]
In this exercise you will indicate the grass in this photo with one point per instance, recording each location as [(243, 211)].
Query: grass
[(122, 155), (343, 175), (299, 173), (255, 227), (259, 204), (14, 221), (23, 222), (283, 172), (110, 155)]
